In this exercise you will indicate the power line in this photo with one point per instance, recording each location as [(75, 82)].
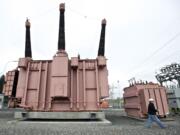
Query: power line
[(156, 51), (43, 13), (83, 15), (167, 57), (146, 71)]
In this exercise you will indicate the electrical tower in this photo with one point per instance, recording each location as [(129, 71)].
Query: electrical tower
[(169, 73)]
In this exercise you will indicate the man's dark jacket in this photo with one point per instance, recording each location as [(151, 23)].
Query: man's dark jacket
[(151, 109)]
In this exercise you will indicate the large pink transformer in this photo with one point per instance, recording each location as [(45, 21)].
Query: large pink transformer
[(60, 84), (136, 99)]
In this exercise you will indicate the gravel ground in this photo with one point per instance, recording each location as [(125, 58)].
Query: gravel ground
[(121, 125)]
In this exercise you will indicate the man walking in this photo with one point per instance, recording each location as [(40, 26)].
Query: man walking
[(152, 115)]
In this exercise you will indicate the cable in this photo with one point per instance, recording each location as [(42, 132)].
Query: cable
[(83, 15), (156, 51), (146, 72), (70, 9), (43, 13), (167, 57)]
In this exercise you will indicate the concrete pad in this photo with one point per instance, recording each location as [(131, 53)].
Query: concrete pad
[(59, 115), (102, 122), (114, 112)]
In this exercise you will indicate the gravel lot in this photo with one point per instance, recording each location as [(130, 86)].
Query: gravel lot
[(121, 125)]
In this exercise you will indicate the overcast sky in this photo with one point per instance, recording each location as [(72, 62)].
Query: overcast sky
[(141, 35)]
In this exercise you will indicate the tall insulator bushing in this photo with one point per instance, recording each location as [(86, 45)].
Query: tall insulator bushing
[(28, 52), (61, 39), (101, 50)]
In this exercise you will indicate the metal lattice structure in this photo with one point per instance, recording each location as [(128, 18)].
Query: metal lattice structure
[(169, 73)]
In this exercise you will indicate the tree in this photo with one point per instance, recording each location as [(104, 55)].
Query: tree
[(2, 79)]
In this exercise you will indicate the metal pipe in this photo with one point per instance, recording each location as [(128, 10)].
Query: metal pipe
[(77, 88), (39, 84), (26, 85), (97, 82), (45, 85), (84, 82), (71, 105)]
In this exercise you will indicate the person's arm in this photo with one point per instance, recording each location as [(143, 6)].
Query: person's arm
[(153, 107)]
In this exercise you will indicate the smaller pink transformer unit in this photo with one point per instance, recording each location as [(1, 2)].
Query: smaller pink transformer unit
[(60, 88), (136, 99)]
